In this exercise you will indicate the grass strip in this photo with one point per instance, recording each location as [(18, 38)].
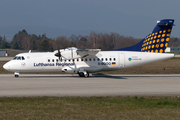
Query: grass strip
[(93, 108)]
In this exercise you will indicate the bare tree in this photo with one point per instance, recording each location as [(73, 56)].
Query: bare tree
[(26, 43)]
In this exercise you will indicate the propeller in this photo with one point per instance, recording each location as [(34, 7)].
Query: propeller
[(59, 55)]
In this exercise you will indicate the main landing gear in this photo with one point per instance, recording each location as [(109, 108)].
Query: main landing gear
[(16, 74), (83, 74)]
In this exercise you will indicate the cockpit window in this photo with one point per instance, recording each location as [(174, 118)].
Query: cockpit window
[(23, 58), (18, 58), (15, 58)]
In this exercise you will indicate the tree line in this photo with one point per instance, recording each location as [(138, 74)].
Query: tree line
[(24, 41)]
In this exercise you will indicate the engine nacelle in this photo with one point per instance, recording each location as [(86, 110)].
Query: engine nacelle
[(69, 53), (73, 53)]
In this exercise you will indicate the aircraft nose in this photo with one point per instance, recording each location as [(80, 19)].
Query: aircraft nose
[(6, 66)]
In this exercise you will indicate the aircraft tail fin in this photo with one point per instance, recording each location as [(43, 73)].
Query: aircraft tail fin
[(157, 41)]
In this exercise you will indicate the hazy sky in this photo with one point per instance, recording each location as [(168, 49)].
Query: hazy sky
[(135, 18)]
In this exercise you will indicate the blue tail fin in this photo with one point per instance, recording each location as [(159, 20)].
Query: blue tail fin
[(157, 41)]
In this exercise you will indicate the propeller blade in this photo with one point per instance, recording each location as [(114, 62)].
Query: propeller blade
[(59, 55)]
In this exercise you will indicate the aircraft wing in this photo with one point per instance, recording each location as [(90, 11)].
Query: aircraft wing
[(73, 53), (87, 52)]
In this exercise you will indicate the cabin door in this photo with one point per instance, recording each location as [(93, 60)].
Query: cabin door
[(121, 60)]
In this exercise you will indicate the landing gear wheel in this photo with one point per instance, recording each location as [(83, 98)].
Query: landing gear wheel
[(81, 74), (87, 74), (16, 76)]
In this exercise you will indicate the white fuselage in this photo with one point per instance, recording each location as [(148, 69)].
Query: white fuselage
[(102, 61)]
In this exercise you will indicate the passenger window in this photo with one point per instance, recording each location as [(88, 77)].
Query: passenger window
[(52, 60), (77, 59), (109, 59), (98, 59), (64, 60), (106, 59), (19, 58), (102, 59), (56, 60), (81, 59), (114, 59), (94, 59), (86, 59), (73, 60), (48, 60), (69, 60), (89, 59)]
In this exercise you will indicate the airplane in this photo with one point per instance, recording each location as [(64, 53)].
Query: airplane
[(84, 61)]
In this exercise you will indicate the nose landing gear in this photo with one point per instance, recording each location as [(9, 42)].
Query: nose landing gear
[(16, 74)]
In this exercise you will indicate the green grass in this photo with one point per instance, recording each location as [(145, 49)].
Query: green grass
[(93, 108)]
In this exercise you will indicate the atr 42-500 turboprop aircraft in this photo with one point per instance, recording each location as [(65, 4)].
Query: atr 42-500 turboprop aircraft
[(84, 61)]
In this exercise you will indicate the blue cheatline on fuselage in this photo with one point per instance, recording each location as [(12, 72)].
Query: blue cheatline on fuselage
[(157, 41)]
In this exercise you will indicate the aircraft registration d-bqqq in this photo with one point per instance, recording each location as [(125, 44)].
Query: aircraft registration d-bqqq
[(84, 61)]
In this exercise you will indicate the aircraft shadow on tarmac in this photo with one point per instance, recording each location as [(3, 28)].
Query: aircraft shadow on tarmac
[(125, 76), (107, 76), (96, 76), (75, 76)]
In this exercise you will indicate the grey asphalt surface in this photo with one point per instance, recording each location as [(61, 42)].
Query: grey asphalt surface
[(95, 85)]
